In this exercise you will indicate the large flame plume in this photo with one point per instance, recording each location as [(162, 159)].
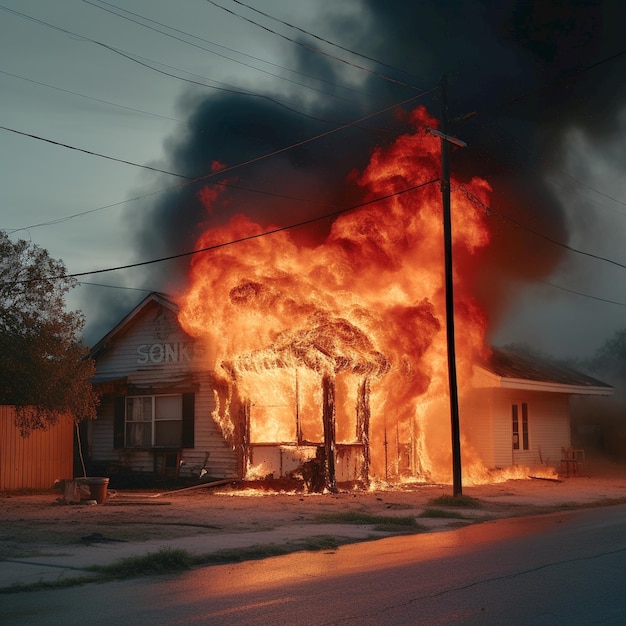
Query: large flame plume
[(367, 304)]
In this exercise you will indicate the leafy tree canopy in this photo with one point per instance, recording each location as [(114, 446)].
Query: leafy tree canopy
[(44, 367)]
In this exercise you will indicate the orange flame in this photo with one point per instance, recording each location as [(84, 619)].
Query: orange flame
[(368, 302)]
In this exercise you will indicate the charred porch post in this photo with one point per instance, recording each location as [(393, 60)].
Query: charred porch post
[(328, 418), (244, 438), (363, 414)]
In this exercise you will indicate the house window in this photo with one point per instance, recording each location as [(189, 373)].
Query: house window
[(154, 421), (519, 414)]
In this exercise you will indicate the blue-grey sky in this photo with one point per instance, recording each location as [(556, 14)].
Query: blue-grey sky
[(154, 82)]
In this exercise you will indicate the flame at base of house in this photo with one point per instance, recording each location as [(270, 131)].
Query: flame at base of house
[(298, 468), (259, 482)]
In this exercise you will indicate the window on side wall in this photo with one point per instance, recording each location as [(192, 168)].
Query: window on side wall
[(154, 421), (519, 416)]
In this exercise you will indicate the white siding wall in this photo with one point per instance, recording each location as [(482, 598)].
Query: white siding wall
[(548, 426), (502, 428), (222, 461), (476, 419), (156, 325)]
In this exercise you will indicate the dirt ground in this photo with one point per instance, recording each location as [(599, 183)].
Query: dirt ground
[(30, 523)]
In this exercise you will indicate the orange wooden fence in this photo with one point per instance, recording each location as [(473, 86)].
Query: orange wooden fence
[(34, 462)]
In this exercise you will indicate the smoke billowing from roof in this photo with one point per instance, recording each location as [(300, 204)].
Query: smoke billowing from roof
[(520, 76)]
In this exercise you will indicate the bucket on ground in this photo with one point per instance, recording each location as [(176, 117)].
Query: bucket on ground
[(98, 486)]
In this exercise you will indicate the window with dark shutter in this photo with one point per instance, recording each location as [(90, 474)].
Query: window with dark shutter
[(155, 421), (119, 421), (189, 409)]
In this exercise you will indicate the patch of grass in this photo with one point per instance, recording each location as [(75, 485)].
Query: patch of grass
[(457, 501), (395, 528), (360, 518), (320, 542), (591, 505), (176, 560), (441, 513), (239, 555), (250, 553), (164, 561)]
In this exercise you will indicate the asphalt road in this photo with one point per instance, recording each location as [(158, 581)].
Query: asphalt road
[(565, 568)]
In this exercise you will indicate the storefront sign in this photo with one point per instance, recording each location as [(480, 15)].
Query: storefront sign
[(156, 353)]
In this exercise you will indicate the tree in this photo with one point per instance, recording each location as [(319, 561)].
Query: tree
[(44, 367)]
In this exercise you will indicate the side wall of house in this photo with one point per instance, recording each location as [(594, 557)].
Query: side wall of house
[(154, 356), (548, 427), (476, 412)]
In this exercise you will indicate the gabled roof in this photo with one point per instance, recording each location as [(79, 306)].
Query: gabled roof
[(150, 300), (515, 370)]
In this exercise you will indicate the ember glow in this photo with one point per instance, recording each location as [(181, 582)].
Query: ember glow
[(354, 325)]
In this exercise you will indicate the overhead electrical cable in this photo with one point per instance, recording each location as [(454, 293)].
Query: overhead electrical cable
[(330, 43), (532, 231), (81, 95), (144, 63), (90, 284), (533, 92), (517, 147), (99, 5), (586, 186), (220, 183), (190, 180), (98, 154), (84, 283), (313, 49), (257, 69), (66, 218), (265, 233), (580, 293)]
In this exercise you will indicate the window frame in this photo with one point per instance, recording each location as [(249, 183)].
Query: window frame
[(519, 418), (153, 419), (187, 429)]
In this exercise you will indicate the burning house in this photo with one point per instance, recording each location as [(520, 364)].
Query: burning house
[(301, 408), (326, 358)]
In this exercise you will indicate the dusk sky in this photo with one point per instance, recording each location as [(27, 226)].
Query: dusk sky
[(536, 89)]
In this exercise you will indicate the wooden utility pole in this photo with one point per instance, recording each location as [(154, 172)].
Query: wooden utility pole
[(457, 488)]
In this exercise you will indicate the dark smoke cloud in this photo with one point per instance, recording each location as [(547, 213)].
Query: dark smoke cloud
[(517, 84), (492, 52)]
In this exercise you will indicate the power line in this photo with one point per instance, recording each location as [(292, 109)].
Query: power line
[(223, 171), (586, 186), (525, 95), (310, 34), (67, 218), (580, 293), (517, 223), (81, 95), (125, 17), (312, 49), (90, 152), (90, 284), (220, 183), (144, 63), (249, 237)]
